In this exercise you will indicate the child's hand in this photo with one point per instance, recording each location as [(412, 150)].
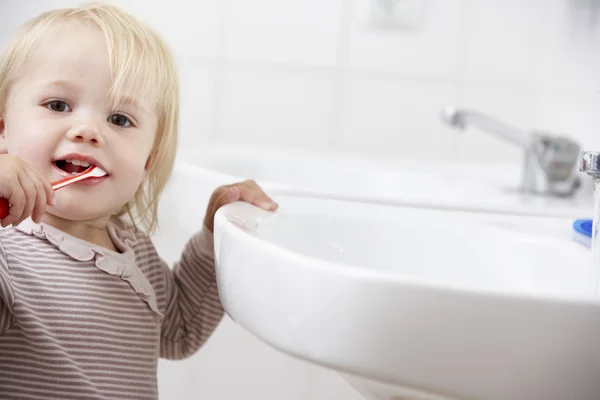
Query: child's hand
[(28, 192), (247, 191)]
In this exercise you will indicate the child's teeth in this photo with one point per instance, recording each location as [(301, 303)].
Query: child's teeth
[(84, 164), (73, 173)]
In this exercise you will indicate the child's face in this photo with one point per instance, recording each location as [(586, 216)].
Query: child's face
[(60, 109)]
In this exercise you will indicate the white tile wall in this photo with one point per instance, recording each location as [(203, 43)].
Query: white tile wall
[(573, 58), (12, 16), (507, 41), (310, 74), (236, 365), (276, 106), (199, 85), (283, 31), (192, 28), (571, 113), (383, 116), (430, 50)]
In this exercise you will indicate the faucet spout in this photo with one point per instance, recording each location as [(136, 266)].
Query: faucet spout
[(461, 119), (550, 161)]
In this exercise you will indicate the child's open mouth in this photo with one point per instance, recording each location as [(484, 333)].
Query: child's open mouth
[(73, 167)]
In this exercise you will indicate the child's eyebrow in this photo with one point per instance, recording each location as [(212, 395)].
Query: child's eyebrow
[(62, 84), (130, 101)]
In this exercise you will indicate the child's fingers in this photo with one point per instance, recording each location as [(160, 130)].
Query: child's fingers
[(17, 202), (40, 196), (30, 190), (223, 195), (247, 191), (7, 192), (47, 186), (252, 193), (220, 197)]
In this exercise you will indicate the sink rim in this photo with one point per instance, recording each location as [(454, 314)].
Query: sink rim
[(223, 219)]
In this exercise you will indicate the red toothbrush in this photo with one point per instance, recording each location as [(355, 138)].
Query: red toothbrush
[(91, 172)]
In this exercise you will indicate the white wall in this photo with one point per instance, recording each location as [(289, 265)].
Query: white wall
[(308, 74)]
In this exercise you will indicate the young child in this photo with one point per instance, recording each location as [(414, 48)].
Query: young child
[(86, 304)]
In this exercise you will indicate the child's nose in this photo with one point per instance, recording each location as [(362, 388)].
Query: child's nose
[(85, 132)]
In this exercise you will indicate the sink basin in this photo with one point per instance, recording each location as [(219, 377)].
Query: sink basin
[(417, 304), (434, 184)]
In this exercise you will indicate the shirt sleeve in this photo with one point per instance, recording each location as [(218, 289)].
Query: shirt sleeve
[(193, 309), (7, 295)]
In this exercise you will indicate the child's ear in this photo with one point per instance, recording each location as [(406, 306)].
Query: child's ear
[(3, 149)]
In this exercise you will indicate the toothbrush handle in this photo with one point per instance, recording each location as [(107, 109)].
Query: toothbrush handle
[(3, 208)]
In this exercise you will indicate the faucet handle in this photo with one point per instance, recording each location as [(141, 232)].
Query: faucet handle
[(556, 155), (589, 162)]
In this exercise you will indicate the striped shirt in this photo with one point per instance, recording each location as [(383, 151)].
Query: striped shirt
[(78, 321)]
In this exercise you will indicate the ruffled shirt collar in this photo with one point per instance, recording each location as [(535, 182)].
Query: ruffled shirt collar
[(120, 264)]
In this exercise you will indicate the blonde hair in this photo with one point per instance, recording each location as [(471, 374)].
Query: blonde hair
[(140, 62)]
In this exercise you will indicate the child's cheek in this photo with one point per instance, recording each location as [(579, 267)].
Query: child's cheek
[(133, 170)]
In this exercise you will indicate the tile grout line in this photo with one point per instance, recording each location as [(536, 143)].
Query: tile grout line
[(219, 83), (459, 80), (340, 80)]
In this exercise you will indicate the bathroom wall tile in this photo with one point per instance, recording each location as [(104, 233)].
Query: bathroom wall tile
[(573, 115), (191, 28), (283, 31), (507, 40), (394, 118), (572, 61), (13, 14), (514, 106), (276, 107), (8, 25), (198, 80), (234, 364), (431, 49)]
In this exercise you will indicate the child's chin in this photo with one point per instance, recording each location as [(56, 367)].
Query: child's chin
[(78, 212)]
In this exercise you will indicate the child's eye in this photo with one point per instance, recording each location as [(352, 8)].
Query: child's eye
[(58, 106), (120, 120)]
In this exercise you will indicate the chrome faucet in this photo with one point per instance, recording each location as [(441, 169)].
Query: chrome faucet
[(589, 162), (551, 162)]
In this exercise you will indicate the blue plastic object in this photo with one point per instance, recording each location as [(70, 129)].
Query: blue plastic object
[(583, 226)]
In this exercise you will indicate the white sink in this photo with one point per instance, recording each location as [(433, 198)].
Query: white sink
[(416, 304)]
